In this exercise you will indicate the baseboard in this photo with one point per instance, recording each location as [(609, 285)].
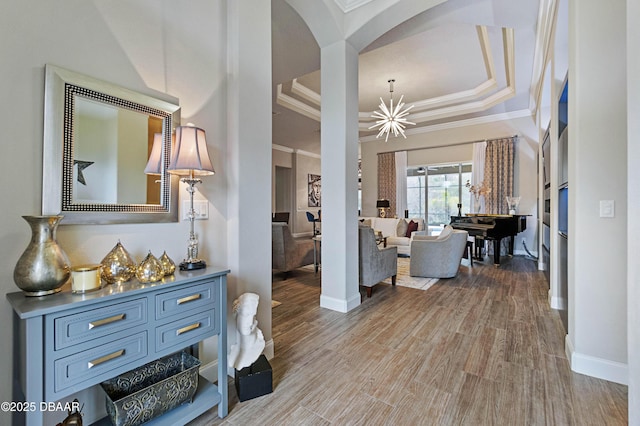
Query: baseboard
[(302, 234), (599, 368), (558, 303), (210, 371), (339, 305)]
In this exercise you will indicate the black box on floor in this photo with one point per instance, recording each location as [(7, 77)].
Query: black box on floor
[(255, 380)]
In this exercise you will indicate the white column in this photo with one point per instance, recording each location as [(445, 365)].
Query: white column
[(247, 166), (339, 177)]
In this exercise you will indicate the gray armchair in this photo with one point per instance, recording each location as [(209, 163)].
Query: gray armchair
[(288, 253), (374, 264), (437, 257)]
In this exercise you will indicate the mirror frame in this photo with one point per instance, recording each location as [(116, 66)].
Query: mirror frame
[(61, 86)]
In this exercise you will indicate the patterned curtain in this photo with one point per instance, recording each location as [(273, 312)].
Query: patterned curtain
[(387, 180), (498, 174)]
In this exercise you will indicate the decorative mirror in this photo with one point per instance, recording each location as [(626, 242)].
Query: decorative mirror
[(98, 138)]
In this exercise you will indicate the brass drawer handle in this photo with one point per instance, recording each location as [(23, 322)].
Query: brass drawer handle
[(187, 328), (106, 321), (189, 298), (105, 358)]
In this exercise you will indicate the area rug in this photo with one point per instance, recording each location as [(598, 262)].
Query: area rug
[(275, 303), (403, 278)]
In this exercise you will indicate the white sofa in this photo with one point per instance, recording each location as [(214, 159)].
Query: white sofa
[(395, 230)]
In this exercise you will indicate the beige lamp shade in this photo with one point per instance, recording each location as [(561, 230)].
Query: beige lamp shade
[(190, 153), (154, 165)]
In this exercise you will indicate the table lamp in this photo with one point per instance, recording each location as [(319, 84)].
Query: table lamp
[(382, 206), (190, 158)]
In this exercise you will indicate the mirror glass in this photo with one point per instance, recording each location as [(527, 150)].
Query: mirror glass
[(98, 139)]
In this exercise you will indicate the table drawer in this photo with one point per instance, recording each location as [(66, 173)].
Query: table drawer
[(96, 364), (184, 299), (88, 325), (188, 330)]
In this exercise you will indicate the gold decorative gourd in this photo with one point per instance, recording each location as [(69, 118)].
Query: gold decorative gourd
[(117, 265), (149, 270), (168, 266)]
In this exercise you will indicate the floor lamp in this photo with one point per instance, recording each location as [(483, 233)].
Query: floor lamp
[(190, 158)]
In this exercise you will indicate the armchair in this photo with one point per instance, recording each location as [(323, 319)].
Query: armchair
[(288, 253), (437, 257), (374, 264)]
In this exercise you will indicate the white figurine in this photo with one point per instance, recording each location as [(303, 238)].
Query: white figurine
[(250, 338)]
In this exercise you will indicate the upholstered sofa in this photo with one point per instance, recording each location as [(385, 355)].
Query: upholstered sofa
[(288, 253), (438, 256), (375, 263), (396, 230)]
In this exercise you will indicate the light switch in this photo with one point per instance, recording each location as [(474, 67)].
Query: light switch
[(607, 208), (201, 208)]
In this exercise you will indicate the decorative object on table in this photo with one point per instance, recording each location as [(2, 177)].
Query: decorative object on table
[(147, 392), (391, 119), (314, 189), (168, 266), (43, 267), (191, 158), (512, 204), (150, 269), (85, 278), (75, 417), (250, 338), (117, 265), (478, 191), (382, 206)]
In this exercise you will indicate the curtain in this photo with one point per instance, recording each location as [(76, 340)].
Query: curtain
[(387, 180), (477, 175), (401, 182), (498, 174)]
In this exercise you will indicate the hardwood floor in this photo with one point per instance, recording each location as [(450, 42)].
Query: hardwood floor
[(483, 348)]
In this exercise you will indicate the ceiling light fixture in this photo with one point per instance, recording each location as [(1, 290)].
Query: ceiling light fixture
[(391, 119)]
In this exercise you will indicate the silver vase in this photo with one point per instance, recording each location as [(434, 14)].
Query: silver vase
[(43, 267)]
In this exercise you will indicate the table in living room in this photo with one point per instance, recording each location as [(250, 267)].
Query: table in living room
[(317, 244)]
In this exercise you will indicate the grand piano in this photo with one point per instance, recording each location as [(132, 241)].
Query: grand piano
[(491, 227)]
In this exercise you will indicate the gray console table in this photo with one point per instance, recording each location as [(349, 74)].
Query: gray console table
[(64, 343)]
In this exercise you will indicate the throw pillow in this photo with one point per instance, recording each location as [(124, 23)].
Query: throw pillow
[(401, 229), (412, 226), (367, 222), (448, 230)]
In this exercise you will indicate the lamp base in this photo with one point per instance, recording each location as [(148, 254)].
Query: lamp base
[(192, 265)]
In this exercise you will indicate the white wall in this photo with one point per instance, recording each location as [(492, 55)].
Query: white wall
[(597, 340), (149, 46), (633, 197), (525, 166)]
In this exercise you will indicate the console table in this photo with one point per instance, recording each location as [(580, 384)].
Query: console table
[(66, 342)]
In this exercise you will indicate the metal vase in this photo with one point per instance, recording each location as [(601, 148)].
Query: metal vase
[(43, 267)]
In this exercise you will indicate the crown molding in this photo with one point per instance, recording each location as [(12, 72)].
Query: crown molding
[(348, 5), (450, 105), (460, 123), (307, 153), (282, 148)]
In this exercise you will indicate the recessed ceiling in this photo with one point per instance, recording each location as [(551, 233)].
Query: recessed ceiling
[(448, 62)]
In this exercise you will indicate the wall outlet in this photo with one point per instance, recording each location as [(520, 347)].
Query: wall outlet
[(201, 208)]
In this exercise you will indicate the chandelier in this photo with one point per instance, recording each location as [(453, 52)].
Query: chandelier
[(391, 119)]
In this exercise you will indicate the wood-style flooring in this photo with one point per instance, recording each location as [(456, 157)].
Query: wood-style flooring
[(483, 348)]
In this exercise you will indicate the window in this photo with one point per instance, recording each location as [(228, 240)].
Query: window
[(433, 192)]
